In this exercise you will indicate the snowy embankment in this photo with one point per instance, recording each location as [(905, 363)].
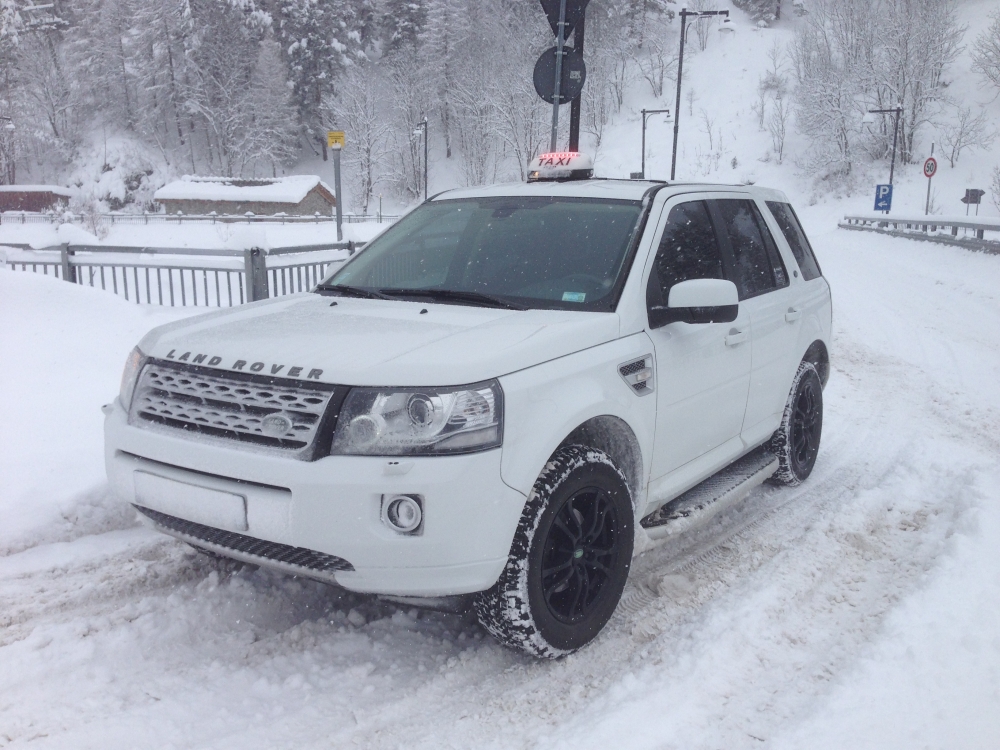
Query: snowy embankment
[(197, 235), (858, 610)]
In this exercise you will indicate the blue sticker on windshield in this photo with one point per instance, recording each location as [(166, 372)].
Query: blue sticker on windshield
[(574, 296)]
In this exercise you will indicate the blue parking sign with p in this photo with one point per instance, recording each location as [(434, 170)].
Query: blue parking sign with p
[(883, 197)]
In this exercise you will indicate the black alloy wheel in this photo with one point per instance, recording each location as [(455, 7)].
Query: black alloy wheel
[(807, 423), (796, 442), (579, 554), (569, 558)]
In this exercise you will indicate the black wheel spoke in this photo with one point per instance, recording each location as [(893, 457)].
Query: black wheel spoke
[(574, 516), (577, 590), (558, 568), (599, 566), (598, 523), (561, 525)]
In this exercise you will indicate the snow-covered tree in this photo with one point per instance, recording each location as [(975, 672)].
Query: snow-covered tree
[(965, 131), (361, 109), (319, 38), (403, 23), (760, 11), (851, 56), (986, 52)]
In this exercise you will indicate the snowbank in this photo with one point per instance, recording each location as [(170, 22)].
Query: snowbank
[(63, 350)]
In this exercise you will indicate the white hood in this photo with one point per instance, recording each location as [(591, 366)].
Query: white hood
[(377, 342)]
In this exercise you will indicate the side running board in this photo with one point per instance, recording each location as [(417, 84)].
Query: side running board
[(700, 503)]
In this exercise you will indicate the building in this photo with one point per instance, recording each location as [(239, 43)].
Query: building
[(33, 197), (296, 195)]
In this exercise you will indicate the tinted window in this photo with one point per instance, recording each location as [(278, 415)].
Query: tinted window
[(777, 264), (688, 250), (790, 227), (752, 272), (540, 251)]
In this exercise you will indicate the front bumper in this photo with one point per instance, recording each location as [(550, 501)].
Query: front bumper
[(333, 506)]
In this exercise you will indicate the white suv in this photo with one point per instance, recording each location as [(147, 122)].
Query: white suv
[(493, 400)]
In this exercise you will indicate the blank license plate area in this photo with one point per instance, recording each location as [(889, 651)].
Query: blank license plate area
[(220, 510)]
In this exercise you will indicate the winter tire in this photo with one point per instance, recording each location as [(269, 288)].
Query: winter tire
[(569, 558), (796, 443)]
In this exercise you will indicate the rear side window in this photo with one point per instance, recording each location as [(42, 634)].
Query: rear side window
[(752, 271), (784, 214), (688, 250), (777, 264)]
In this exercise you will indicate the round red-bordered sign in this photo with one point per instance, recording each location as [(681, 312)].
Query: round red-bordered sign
[(930, 167)]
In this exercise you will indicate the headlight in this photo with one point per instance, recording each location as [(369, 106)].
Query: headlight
[(389, 422), (132, 367)]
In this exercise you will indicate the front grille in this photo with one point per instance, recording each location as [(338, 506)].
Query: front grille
[(297, 557), (260, 411)]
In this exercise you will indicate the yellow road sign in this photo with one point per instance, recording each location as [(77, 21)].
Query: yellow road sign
[(335, 138)]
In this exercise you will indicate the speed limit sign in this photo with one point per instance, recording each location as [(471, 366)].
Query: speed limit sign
[(930, 167)]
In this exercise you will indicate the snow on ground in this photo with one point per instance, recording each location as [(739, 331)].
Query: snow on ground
[(858, 610)]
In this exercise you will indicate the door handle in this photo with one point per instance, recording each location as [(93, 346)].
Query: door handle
[(793, 314), (736, 337)]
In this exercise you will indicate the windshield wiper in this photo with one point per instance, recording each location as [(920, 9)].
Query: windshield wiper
[(351, 291), (443, 295)]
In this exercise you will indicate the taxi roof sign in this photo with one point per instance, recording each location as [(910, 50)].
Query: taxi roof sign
[(561, 165)]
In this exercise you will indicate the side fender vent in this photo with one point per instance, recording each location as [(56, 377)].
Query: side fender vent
[(638, 375)]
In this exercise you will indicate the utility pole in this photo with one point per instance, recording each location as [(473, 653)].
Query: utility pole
[(560, 42), (574, 107), (696, 15)]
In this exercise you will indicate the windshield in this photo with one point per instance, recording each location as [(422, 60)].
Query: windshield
[(547, 252)]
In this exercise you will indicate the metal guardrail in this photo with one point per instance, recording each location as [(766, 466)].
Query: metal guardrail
[(108, 220), (940, 229), (236, 276)]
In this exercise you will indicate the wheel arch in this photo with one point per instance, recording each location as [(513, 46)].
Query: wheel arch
[(613, 435), (818, 354)]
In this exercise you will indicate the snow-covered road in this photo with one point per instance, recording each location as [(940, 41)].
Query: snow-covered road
[(858, 610)]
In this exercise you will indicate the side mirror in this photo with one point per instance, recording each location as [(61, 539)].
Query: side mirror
[(703, 293), (698, 301)]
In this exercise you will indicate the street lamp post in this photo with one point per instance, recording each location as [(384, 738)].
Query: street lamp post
[(685, 14), (646, 113), (896, 111), (423, 125)]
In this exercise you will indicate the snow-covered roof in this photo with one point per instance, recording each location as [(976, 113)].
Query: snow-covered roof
[(290, 189), (54, 189)]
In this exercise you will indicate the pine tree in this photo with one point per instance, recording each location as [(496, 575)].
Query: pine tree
[(766, 11), (402, 23)]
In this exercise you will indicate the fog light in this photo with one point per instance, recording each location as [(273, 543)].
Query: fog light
[(403, 513)]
